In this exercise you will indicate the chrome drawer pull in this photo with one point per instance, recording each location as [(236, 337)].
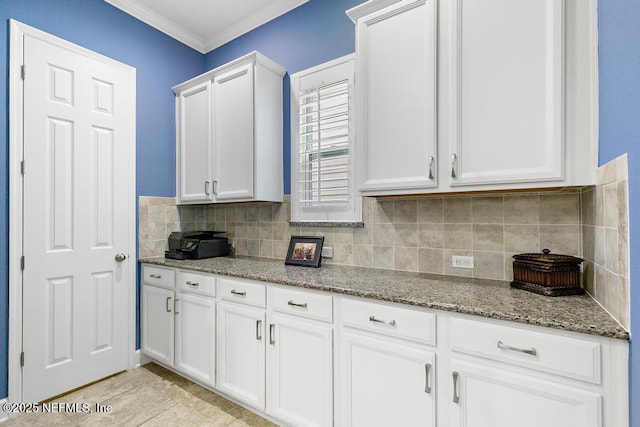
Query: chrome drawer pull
[(531, 351), (454, 158), (303, 305), (389, 322), (427, 384), (430, 158), (155, 276), (166, 305), (240, 294), (272, 328), (193, 284), (175, 309), (259, 330), (456, 398)]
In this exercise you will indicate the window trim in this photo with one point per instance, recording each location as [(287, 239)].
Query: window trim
[(352, 213)]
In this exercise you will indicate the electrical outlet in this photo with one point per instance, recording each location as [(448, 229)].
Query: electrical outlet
[(327, 252), (462, 261)]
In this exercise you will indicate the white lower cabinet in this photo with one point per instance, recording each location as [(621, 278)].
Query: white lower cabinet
[(157, 323), (300, 371), (241, 353), (312, 358), (178, 321), (385, 383), (195, 336), (484, 396)]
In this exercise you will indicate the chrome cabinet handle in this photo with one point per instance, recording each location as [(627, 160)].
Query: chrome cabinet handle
[(427, 383), (206, 188), (272, 328), (215, 187), (532, 351), (175, 309), (389, 322), (240, 294), (155, 276), (192, 284), (453, 165), (456, 398), (166, 305), (430, 158), (303, 305), (258, 330)]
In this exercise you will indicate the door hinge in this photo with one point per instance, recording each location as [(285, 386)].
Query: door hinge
[(22, 167), (22, 72), (22, 358), (22, 262)]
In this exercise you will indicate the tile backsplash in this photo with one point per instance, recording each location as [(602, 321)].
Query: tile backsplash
[(605, 230), (423, 233)]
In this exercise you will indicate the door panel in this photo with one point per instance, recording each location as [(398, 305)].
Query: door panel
[(78, 119)]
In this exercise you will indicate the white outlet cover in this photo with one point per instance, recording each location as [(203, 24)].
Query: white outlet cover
[(458, 261)]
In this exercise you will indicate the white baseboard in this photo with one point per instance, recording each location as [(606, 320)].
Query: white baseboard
[(141, 358)]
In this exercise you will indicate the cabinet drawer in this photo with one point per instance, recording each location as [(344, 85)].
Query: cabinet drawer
[(196, 283), (242, 291), (302, 303), (158, 276), (561, 355), (395, 321)]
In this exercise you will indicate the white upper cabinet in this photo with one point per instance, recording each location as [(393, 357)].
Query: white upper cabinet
[(194, 143), (230, 141), (396, 91), (490, 95), (506, 90)]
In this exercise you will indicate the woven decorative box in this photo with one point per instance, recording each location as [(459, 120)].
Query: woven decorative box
[(547, 274)]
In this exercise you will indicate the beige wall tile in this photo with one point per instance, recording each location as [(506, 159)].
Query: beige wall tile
[(343, 235), (588, 206), (265, 213), (362, 255), (521, 209), (430, 260), (431, 236), (265, 230), (561, 239), (588, 242), (383, 257), (611, 250), (623, 302), (253, 247), (382, 211), (405, 235), (405, 211), (266, 248), (611, 205), (598, 200), (488, 237), (430, 210), (488, 265), (383, 234), (589, 277), (343, 253), (457, 210), (241, 213), (363, 236), (599, 246), (521, 238), (241, 247), (508, 266), (458, 236), (560, 208), (253, 213), (405, 259), (487, 210), (280, 248)]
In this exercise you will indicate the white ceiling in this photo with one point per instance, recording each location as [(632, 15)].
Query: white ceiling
[(205, 24)]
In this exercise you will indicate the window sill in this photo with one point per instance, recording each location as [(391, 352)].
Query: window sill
[(326, 224)]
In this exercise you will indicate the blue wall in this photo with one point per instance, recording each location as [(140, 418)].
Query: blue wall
[(160, 61), (311, 34), (619, 61)]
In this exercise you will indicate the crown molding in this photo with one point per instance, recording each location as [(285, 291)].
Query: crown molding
[(196, 42)]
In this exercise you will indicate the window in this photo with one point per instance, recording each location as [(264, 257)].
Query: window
[(322, 144)]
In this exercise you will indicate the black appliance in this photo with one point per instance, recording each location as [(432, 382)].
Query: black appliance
[(197, 245)]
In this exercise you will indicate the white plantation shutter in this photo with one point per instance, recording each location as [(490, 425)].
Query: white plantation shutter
[(322, 144), (323, 173)]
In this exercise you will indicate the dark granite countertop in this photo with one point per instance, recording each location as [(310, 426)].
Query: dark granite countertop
[(487, 298)]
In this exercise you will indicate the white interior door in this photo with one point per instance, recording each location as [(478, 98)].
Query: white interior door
[(78, 116)]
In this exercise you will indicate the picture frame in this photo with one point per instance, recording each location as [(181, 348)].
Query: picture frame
[(305, 251)]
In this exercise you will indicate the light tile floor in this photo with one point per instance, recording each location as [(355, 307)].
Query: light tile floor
[(147, 396)]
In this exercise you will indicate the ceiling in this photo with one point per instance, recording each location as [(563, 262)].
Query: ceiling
[(205, 24)]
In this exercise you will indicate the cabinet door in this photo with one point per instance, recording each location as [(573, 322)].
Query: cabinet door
[(194, 145), (300, 374), (489, 397), (195, 337), (241, 353), (233, 155), (505, 91), (157, 323), (396, 86), (383, 383)]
